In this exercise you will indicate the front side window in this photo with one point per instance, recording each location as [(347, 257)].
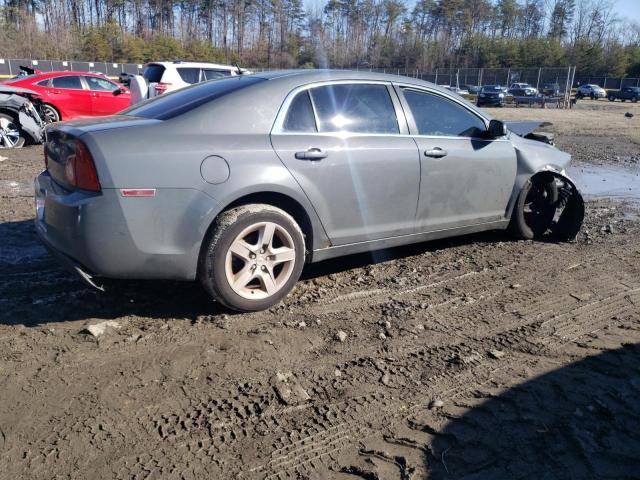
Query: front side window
[(100, 84), (436, 115), (71, 81), (189, 75), (210, 74), (300, 116), (355, 108)]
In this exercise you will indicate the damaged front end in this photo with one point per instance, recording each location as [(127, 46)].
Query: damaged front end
[(20, 120), (545, 201)]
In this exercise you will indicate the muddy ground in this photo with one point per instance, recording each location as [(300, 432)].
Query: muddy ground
[(473, 358)]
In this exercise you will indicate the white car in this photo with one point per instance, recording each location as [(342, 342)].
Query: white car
[(592, 91), (459, 91), (524, 86), (164, 77)]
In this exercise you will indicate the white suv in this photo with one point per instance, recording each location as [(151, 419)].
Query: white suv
[(164, 77)]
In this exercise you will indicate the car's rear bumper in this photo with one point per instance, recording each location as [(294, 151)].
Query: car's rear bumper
[(107, 235)]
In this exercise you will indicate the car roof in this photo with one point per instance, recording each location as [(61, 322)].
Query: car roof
[(65, 73), (194, 65), (305, 76)]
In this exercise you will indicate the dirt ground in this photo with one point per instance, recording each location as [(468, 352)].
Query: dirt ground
[(473, 358)]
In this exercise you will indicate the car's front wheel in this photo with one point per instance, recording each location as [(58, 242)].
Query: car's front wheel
[(10, 135), (253, 257)]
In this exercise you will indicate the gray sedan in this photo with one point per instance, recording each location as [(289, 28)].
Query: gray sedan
[(239, 182)]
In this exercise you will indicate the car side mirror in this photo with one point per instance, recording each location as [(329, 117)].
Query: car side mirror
[(497, 129), (117, 92)]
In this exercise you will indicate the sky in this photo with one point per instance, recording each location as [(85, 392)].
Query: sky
[(629, 9)]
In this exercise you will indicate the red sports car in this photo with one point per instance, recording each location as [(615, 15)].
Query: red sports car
[(70, 95)]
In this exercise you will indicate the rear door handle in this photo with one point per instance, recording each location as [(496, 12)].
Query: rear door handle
[(435, 153), (312, 154)]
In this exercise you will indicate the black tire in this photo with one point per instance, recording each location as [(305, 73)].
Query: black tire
[(593, 96), (634, 99), (579, 95), (227, 227), (50, 113), (12, 122), (612, 98), (533, 225)]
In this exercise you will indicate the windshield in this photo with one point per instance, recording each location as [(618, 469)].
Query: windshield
[(491, 89), (176, 103)]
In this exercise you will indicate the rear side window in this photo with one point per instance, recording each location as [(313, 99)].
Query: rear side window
[(153, 73), (67, 82), (210, 74), (189, 74), (300, 116), (176, 103), (43, 83), (356, 108), (436, 115)]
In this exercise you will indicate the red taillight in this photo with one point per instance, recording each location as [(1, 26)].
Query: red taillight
[(80, 171), (161, 87)]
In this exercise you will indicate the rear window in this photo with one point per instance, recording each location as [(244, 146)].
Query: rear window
[(189, 74), (153, 73), (211, 74), (300, 117), (356, 108), (72, 82), (181, 101)]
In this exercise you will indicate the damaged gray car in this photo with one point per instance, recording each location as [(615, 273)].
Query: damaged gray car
[(240, 182), (20, 120)]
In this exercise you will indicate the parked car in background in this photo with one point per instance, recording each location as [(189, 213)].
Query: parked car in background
[(625, 93), (525, 87), (20, 120), (334, 163), (551, 89), (163, 77), (71, 95), (491, 95), (474, 89), (592, 91), (521, 92)]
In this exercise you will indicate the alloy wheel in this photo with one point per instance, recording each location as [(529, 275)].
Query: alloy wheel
[(260, 260), (9, 133), (50, 114)]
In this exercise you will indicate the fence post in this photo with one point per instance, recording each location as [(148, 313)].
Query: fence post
[(480, 79), (538, 82), (436, 82), (508, 77)]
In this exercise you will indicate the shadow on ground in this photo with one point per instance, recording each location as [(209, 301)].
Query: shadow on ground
[(36, 290), (581, 421)]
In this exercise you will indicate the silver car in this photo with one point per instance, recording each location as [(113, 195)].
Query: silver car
[(239, 182)]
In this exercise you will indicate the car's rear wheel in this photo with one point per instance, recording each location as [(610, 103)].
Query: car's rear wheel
[(253, 257), (634, 99), (50, 113), (612, 98), (10, 135)]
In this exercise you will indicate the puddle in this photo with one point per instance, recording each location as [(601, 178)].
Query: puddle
[(607, 181)]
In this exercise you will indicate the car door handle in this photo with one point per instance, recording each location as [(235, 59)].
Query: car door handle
[(312, 154), (435, 153), (56, 91)]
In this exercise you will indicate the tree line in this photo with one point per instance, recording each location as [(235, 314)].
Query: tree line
[(407, 34)]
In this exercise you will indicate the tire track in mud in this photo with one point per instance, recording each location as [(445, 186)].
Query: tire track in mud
[(298, 441)]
